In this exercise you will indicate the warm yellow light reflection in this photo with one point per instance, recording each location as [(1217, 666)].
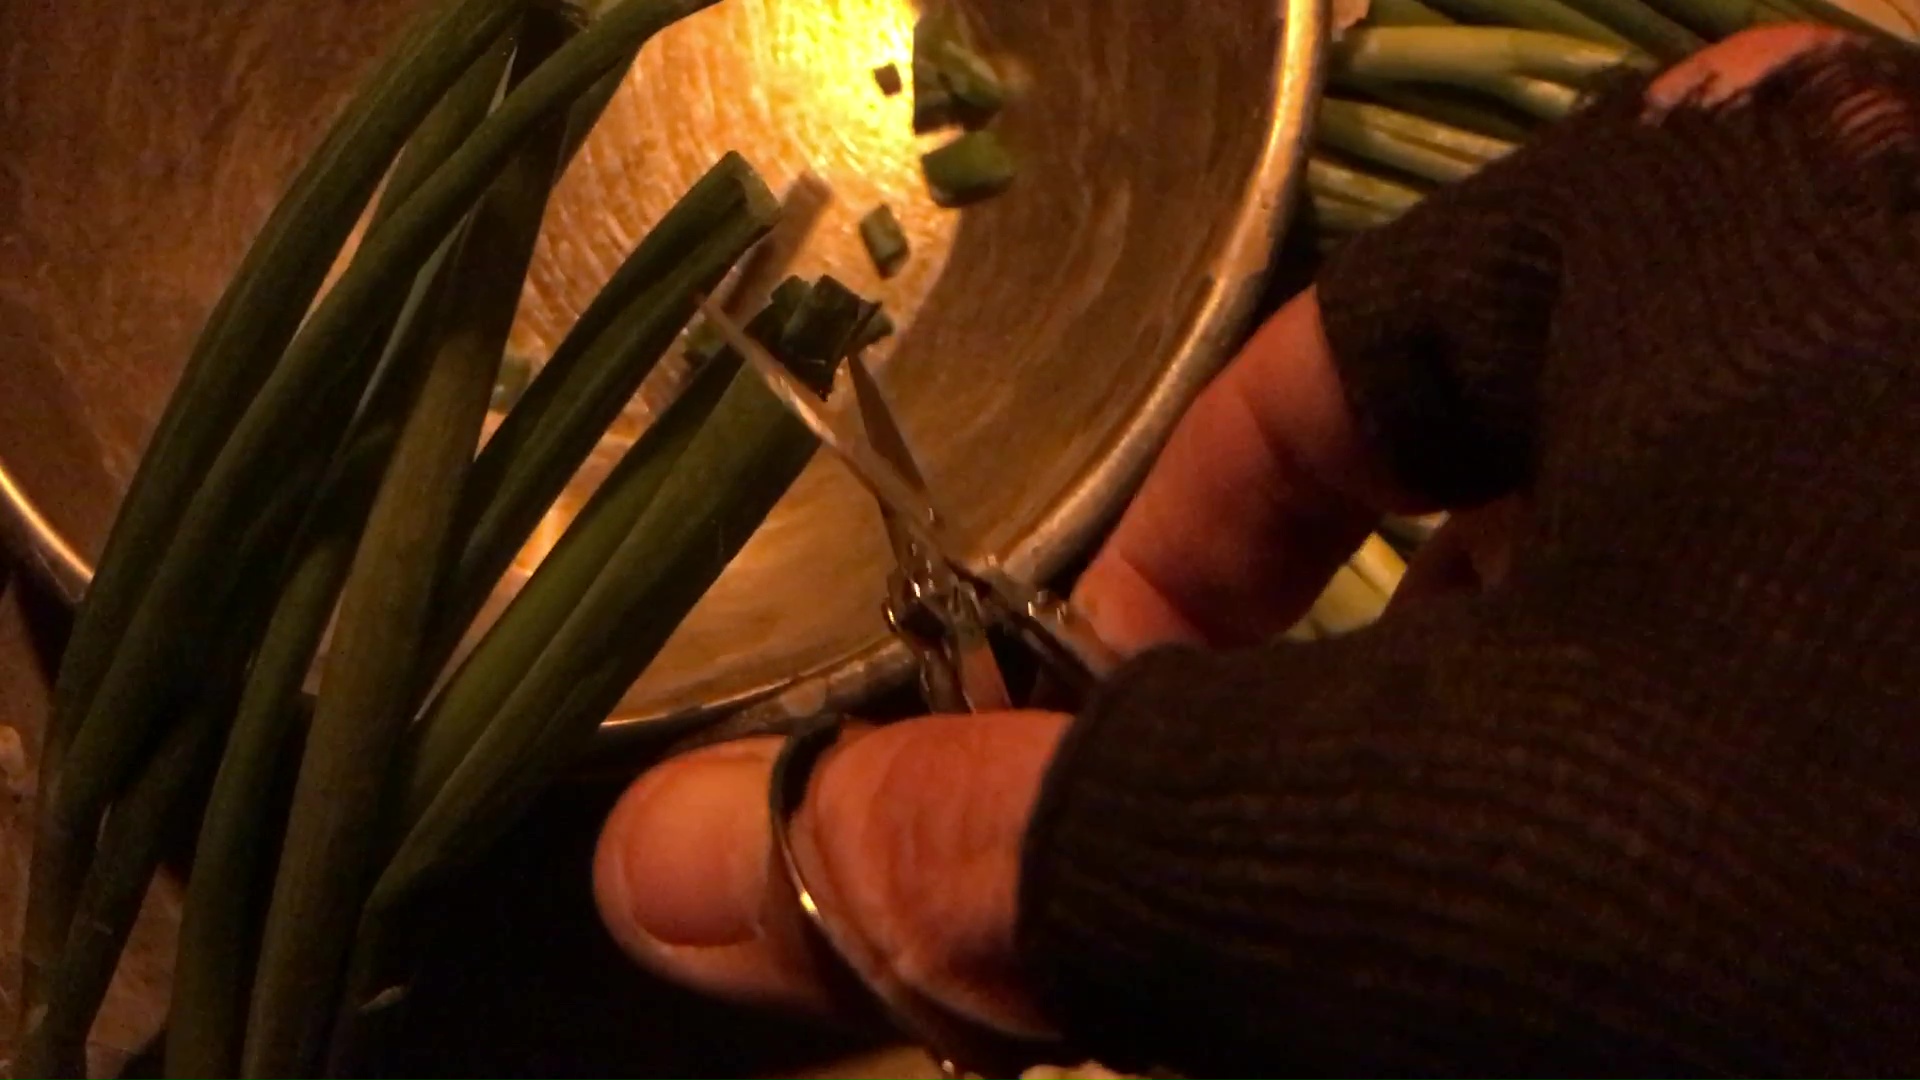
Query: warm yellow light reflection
[(790, 85)]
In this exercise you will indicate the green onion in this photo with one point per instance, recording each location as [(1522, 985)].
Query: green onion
[(879, 326), (822, 331), (972, 85), (1404, 13), (457, 716), (1647, 28), (160, 800), (1462, 109), (933, 106), (1474, 55), (770, 264), (885, 240), (1402, 141), (974, 167), (367, 697), (226, 893), (716, 496), (1549, 15), (1712, 19), (1360, 187), (183, 595), (589, 380), (256, 316), (1538, 98), (1336, 214)]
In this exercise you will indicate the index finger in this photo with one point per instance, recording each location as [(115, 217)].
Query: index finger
[(1262, 491)]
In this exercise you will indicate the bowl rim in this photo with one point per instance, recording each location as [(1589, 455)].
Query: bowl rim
[(1084, 507)]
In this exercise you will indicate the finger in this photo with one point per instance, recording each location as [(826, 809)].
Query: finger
[(686, 880), (1472, 552), (1261, 492), (1725, 71)]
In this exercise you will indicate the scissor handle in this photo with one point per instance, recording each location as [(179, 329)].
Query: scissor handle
[(1063, 635), (1071, 653)]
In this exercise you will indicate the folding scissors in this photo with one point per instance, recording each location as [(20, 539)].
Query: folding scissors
[(944, 607), (941, 604)]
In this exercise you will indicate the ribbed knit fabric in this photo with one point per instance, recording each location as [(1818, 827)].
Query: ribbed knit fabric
[(1653, 805)]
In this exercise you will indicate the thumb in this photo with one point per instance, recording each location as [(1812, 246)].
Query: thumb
[(910, 835)]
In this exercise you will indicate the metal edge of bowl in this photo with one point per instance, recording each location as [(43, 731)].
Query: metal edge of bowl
[(1099, 494), (1083, 509)]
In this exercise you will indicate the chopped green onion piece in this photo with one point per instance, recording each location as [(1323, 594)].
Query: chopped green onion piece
[(933, 106), (821, 332), (971, 168), (972, 85), (952, 82), (885, 240), (789, 295), (878, 327)]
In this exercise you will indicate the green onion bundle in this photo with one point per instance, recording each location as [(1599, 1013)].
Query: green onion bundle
[(316, 471), (316, 468), (1425, 92)]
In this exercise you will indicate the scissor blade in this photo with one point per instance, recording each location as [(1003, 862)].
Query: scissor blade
[(896, 493), (799, 399), (882, 431)]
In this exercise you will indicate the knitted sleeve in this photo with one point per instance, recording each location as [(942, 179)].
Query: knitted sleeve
[(1651, 805)]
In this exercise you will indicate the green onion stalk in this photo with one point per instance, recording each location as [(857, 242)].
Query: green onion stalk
[(1712, 19), (590, 378), (1353, 185), (1465, 110), (225, 902), (1647, 28), (164, 796), (1404, 13), (1553, 16), (1475, 55), (367, 696), (192, 581), (1411, 144), (254, 319), (1340, 215), (731, 474), (676, 512), (457, 716)]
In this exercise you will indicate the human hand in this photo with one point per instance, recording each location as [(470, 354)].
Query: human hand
[(1262, 491), (914, 832)]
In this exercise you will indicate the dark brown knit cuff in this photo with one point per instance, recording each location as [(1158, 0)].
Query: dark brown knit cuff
[(1097, 977)]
